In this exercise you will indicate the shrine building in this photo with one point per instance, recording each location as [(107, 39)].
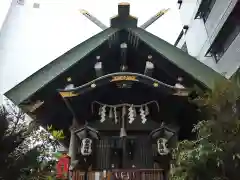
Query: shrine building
[(122, 99)]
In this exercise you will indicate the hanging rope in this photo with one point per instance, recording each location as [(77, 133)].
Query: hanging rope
[(143, 116), (130, 115), (103, 114), (126, 105)]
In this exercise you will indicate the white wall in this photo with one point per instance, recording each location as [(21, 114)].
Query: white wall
[(195, 37), (31, 38), (187, 11), (200, 36), (196, 34)]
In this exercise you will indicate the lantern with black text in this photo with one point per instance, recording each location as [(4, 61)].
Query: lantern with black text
[(163, 137), (86, 147), (162, 146)]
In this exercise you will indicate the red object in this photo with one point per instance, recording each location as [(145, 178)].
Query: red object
[(62, 167)]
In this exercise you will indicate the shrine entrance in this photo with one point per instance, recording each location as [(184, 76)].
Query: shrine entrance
[(125, 140)]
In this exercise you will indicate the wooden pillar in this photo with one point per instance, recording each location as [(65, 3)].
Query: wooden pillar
[(123, 136), (73, 142)]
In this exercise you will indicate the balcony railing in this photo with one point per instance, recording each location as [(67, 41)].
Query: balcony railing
[(136, 174), (226, 35), (204, 9)]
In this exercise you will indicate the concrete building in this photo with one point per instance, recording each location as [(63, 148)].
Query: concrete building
[(29, 27), (16, 18), (211, 33)]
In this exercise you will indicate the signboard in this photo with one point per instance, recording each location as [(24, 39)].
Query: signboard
[(124, 78), (125, 175)]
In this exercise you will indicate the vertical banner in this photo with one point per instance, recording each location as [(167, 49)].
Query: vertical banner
[(62, 167)]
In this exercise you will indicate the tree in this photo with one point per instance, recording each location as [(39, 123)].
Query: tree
[(14, 152), (215, 154), (25, 147)]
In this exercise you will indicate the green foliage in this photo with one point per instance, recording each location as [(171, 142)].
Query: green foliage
[(215, 154), (57, 134), (26, 149), (14, 152), (236, 78)]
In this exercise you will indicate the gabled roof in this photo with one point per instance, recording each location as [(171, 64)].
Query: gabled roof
[(124, 21), (49, 72), (181, 59)]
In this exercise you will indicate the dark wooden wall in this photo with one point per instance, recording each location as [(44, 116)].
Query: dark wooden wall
[(142, 154)]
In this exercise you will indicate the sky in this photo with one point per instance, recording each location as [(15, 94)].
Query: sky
[(31, 38), (4, 4)]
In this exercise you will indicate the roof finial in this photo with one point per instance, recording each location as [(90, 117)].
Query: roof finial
[(124, 4)]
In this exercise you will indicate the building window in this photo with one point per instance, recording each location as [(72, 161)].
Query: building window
[(184, 47), (226, 35), (36, 5), (205, 9), (20, 2)]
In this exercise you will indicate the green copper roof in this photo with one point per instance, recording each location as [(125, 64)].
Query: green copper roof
[(46, 74), (181, 59)]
